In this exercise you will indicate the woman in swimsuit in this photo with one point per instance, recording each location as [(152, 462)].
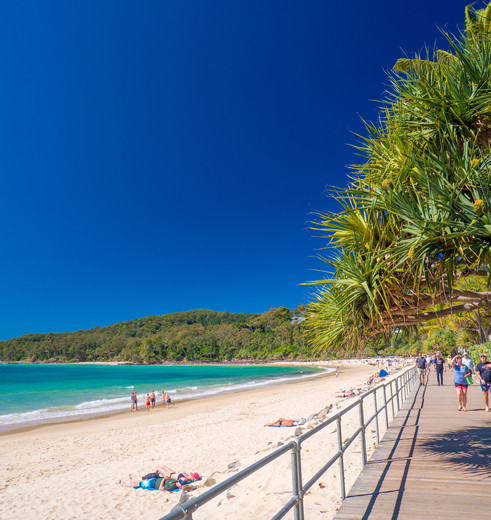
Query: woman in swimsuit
[(182, 478)]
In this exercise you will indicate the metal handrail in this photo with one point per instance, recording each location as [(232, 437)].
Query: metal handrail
[(402, 383)]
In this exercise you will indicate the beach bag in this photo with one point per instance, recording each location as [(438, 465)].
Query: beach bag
[(150, 475), (469, 380)]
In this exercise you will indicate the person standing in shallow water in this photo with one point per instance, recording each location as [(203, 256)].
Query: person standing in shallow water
[(439, 368), (152, 398)]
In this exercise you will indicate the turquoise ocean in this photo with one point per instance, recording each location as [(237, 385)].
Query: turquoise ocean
[(31, 394)]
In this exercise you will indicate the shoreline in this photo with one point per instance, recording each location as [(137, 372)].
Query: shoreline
[(215, 436), (126, 414)]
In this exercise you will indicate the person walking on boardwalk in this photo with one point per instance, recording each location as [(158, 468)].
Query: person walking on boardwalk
[(467, 361), (460, 372), (421, 364), (483, 371), (439, 368)]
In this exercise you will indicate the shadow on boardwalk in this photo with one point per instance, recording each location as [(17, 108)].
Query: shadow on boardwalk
[(429, 451), (467, 448)]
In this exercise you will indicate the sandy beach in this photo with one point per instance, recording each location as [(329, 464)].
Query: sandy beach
[(71, 470)]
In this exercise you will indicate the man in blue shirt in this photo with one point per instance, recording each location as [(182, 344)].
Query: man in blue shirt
[(439, 368), (483, 371)]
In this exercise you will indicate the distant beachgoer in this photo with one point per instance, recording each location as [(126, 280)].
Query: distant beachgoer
[(345, 393), (460, 372), (136, 402), (132, 407), (164, 398), (421, 364), (467, 361), (168, 400), (181, 478), (152, 398), (161, 484), (284, 422), (147, 403), (439, 368), (483, 371)]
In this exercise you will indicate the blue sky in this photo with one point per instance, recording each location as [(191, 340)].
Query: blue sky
[(167, 155)]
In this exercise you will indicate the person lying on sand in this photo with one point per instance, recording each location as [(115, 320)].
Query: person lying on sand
[(182, 478), (161, 484), (284, 422), (167, 481), (345, 393)]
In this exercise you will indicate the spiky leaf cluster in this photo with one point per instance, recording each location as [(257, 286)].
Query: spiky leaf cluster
[(417, 214)]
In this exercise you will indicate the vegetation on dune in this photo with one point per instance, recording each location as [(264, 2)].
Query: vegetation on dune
[(414, 226), (198, 335)]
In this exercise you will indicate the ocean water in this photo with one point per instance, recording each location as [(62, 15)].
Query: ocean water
[(33, 394)]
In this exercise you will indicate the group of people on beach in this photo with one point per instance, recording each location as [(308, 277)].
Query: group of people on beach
[(150, 401), (463, 370), (162, 479)]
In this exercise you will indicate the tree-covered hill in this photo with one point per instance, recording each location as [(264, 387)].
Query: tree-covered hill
[(197, 335)]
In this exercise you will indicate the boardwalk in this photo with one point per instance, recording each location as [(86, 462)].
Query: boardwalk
[(432, 462)]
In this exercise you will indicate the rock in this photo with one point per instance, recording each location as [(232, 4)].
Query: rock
[(183, 498), (310, 417), (209, 482), (298, 432), (230, 492), (233, 465), (280, 443)]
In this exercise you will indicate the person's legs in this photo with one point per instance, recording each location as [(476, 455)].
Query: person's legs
[(464, 398), (439, 377), (132, 483), (458, 389), (486, 400), (165, 471)]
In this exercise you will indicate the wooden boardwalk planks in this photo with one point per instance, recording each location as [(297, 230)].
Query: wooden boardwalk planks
[(431, 459)]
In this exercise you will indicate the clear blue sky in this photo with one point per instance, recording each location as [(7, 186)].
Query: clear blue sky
[(166, 155)]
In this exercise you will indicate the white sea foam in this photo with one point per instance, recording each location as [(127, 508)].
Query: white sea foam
[(107, 406)]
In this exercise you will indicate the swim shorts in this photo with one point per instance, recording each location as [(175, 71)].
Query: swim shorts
[(461, 385), (485, 387)]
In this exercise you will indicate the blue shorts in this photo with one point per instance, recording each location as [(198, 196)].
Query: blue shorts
[(485, 387)]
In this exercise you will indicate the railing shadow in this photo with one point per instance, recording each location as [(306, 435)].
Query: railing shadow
[(418, 399)]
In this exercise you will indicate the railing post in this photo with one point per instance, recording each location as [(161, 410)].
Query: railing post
[(392, 399), (376, 416), (386, 412), (362, 434), (297, 482), (397, 395), (341, 459)]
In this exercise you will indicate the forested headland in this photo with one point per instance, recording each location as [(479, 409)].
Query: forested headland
[(192, 336)]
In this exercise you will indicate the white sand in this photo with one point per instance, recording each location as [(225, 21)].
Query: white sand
[(71, 470)]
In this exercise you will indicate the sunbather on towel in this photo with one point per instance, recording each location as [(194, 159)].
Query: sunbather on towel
[(284, 422), (168, 481), (182, 478), (161, 484)]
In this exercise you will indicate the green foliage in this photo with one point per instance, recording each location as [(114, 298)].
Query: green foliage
[(197, 335), (416, 217)]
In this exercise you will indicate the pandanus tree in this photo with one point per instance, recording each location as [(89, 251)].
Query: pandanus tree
[(415, 219)]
